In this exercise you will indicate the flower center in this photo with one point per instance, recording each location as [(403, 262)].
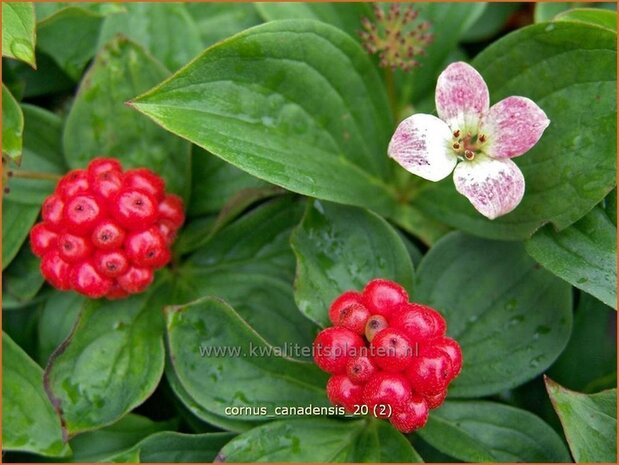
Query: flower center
[(466, 145)]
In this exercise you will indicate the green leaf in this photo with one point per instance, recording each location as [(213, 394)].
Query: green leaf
[(17, 219), (70, 36), (22, 279), (143, 440), (500, 306), (28, 419), (250, 265), (340, 248), (18, 32), (610, 205), (420, 225), (111, 362), (12, 126), (594, 16), (44, 10), (42, 155), (104, 444), (593, 322), (585, 254), (545, 11), (345, 16), (228, 423), (214, 182), (492, 432), (320, 440), (589, 422), (240, 375), (47, 79), (573, 166), (166, 30), (297, 103), (58, 316), (99, 122), (219, 20), (491, 22)]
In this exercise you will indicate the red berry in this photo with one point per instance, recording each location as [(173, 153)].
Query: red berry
[(105, 231), (86, 280), (42, 239), (392, 350), (343, 301), (341, 391), (134, 209), (108, 235), (81, 214), (418, 321), (410, 416), (111, 263), (116, 292), (74, 248), (384, 392), (145, 180), (374, 325), (171, 208), (435, 400), (167, 231), (55, 270), (147, 248), (102, 165), (452, 349), (354, 317), (136, 280), (430, 372), (382, 296), (52, 210), (73, 183), (106, 185), (360, 369), (333, 347)]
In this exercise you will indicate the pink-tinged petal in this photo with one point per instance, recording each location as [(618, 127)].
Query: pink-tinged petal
[(461, 96), (494, 187), (420, 145), (513, 126)]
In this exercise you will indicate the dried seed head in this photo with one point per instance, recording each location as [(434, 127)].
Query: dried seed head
[(397, 35)]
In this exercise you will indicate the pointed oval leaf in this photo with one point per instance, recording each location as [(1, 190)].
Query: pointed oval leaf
[(167, 30), (100, 123), (222, 362), (500, 306), (585, 254), (341, 248), (29, 422), (589, 422), (492, 432), (320, 440), (18, 31), (111, 362), (250, 265), (297, 103)]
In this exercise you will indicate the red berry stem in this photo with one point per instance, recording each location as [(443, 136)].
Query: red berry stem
[(34, 175)]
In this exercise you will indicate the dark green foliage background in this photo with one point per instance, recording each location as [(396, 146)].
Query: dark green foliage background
[(272, 122)]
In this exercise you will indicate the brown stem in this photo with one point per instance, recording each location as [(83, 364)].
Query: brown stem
[(35, 175)]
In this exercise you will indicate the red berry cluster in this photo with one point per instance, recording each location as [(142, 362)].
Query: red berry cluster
[(387, 357), (104, 231)]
